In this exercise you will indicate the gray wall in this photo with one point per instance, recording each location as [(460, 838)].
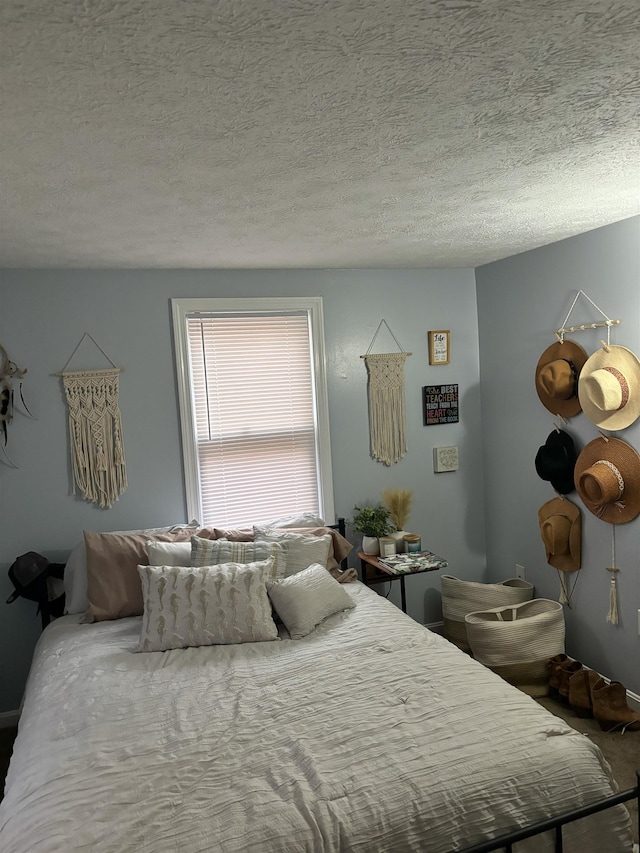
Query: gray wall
[(43, 315), (521, 300)]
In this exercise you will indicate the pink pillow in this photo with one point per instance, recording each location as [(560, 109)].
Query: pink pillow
[(114, 589)]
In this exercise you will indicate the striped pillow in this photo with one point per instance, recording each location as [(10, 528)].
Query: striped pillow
[(212, 552)]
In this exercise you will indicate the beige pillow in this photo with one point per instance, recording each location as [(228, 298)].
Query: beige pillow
[(339, 549), (211, 552), (303, 549), (204, 606), (113, 583), (305, 599), (75, 571)]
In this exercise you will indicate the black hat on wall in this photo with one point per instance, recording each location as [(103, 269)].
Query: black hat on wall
[(556, 460)]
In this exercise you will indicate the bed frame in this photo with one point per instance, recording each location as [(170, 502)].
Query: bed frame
[(506, 842)]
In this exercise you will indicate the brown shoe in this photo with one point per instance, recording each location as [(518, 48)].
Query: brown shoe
[(610, 707), (581, 684), (553, 666), (566, 671)]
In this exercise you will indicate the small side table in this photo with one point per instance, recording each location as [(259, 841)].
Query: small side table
[(372, 572)]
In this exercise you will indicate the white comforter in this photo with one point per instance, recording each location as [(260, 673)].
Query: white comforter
[(371, 734)]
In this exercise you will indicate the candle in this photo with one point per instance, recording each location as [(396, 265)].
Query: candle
[(412, 543), (387, 546)]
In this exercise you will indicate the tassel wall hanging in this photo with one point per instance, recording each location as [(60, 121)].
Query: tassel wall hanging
[(95, 432), (387, 404)]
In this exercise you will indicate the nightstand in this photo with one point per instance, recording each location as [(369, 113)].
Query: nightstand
[(372, 572)]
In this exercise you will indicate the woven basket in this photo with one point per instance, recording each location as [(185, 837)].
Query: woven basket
[(460, 597), (516, 641)]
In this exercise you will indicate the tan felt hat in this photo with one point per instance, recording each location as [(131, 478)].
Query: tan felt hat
[(609, 387), (557, 375), (561, 531), (607, 477)]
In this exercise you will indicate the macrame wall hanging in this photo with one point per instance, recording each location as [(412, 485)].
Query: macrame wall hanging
[(95, 431), (387, 405)]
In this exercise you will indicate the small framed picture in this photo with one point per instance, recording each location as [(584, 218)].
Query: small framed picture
[(439, 346)]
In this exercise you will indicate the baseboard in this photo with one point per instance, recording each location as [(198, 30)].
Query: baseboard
[(436, 627), (8, 719)]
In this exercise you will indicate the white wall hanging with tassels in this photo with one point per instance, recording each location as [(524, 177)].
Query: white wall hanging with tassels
[(387, 403), (95, 431)]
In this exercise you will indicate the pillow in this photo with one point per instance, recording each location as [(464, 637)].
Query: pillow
[(303, 549), (75, 571), (168, 553), (203, 606), (307, 598), (232, 534), (209, 552), (303, 519), (113, 584), (339, 549)]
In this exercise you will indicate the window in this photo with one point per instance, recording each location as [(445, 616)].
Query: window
[(253, 406)]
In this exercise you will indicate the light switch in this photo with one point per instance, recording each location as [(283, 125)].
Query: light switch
[(445, 459)]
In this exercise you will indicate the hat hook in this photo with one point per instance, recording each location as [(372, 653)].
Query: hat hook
[(608, 322)]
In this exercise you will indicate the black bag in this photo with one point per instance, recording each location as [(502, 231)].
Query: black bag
[(31, 576)]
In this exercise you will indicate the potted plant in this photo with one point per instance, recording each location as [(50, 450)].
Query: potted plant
[(372, 522), (398, 502)]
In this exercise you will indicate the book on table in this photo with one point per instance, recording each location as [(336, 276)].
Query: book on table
[(416, 561)]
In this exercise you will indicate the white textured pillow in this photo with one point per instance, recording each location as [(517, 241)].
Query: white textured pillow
[(211, 552), (304, 600), (303, 549), (169, 553), (205, 606), (75, 572)]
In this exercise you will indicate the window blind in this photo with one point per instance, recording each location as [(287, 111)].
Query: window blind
[(255, 418)]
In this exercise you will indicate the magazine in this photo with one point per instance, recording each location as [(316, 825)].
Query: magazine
[(417, 561)]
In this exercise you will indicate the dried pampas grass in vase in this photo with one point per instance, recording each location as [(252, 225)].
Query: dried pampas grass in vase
[(398, 502)]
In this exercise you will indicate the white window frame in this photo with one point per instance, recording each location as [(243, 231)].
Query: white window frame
[(182, 309)]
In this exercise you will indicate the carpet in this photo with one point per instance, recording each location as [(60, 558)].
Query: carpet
[(622, 751)]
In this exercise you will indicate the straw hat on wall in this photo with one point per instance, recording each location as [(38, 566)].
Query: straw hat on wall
[(557, 375), (561, 532), (607, 478), (609, 387)]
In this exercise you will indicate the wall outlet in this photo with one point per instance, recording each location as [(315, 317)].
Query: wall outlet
[(520, 572)]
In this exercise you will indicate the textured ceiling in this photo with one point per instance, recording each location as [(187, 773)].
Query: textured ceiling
[(312, 133)]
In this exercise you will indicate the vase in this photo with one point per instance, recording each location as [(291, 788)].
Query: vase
[(370, 545), (398, 538)]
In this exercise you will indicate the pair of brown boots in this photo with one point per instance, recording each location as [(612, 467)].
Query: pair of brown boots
[(590, 695)]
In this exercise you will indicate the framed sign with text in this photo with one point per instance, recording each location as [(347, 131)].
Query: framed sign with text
[(440, 404), (439, 346)]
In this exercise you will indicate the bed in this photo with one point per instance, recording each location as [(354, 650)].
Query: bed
[(368, 733)]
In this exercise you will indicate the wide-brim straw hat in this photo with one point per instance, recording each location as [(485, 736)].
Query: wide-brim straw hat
[(609, 387), (561, 531), (557, 374), (607, 478), (555, 461)]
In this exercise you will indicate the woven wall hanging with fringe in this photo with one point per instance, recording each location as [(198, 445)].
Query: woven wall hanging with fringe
[(95, 431), (387, 404)]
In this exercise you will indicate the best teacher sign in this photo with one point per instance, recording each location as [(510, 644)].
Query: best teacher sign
[(440, 404)]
